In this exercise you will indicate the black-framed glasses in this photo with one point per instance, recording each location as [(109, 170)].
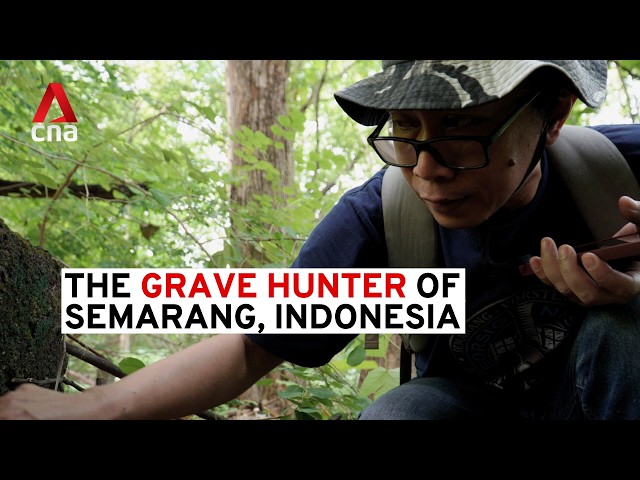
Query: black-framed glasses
[(460, 152)]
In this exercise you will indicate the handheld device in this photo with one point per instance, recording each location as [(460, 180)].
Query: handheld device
[(624, 247)]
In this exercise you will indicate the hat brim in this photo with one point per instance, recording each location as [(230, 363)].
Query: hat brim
[(455, 84)]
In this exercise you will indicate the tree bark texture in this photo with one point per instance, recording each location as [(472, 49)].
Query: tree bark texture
[(31, 343), (256, 96)]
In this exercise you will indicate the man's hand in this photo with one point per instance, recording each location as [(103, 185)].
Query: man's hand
[(588, 280), (30, 402)]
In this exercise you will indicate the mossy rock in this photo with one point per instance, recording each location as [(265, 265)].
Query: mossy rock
[(31, 342)]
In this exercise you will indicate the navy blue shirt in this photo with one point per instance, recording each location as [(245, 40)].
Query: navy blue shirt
[(503, 308)]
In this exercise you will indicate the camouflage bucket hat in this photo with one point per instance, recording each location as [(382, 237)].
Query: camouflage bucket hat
[(453, 84)]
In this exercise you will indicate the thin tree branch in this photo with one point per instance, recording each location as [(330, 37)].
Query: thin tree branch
[(63, 185), (93, 359)]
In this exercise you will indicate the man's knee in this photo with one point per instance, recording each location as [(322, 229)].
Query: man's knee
[(614, 328), (435, 399)]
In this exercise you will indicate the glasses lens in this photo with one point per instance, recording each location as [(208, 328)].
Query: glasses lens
[(395, 152), (451, 153)]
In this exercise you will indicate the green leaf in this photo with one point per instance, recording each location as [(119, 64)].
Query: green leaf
[(262, 140), (379, 381), (29, 163), (206, 110), (168, 155), (277, 130), (265, 382), (303, 416), (343, 366), (45, 180), (292, 391), (130, 364), (357, 355), (198, 175), (160, 197), (119, 195), (321, 393), (297, 120), (284, 121)]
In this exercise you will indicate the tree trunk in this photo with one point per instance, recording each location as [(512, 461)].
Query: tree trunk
[(256, 96), (31, 343)]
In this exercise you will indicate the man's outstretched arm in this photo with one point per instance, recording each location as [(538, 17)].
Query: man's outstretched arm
[(206, 374)]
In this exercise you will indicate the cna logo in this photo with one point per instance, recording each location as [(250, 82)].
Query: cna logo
[(53, 132)]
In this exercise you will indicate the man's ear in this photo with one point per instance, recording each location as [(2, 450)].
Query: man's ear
[(558, 114)]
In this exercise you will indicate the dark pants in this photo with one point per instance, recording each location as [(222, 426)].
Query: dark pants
[(598, 379)]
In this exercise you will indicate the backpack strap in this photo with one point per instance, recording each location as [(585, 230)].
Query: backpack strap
[(411, 235), (596, 174), (409, 227)]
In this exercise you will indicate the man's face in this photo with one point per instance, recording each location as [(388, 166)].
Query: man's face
[(466, 198)]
